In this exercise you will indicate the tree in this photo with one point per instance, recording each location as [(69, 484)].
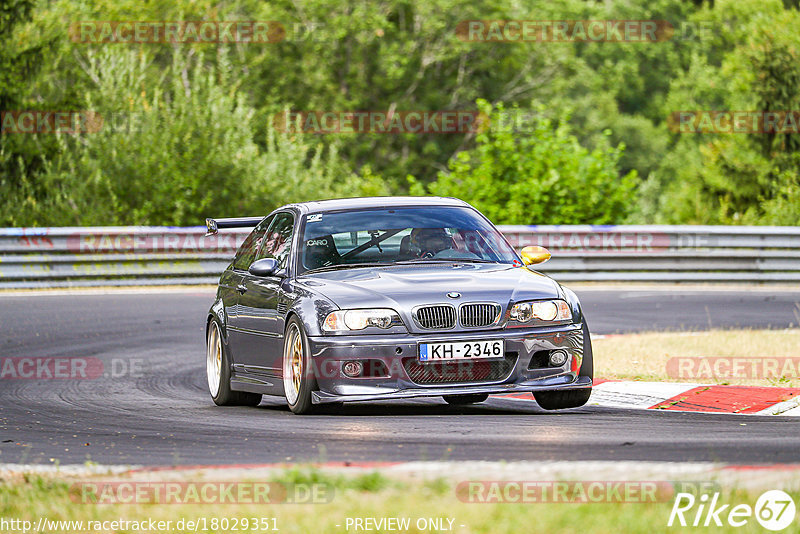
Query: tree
[(734, 178), (174, 154), (539, 176)]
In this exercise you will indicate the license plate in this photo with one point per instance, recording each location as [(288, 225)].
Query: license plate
[(469, 350)]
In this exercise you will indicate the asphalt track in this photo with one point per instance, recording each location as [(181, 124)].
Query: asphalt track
[(161, 414)]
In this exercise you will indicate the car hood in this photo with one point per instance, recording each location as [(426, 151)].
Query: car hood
[(404, 287)]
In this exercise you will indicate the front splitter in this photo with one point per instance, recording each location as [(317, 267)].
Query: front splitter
[(562, 382)]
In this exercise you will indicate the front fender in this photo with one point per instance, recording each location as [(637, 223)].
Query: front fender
[(311, 308), (574, 303)]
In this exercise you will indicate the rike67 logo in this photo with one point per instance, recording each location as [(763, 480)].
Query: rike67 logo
[(774, 510)]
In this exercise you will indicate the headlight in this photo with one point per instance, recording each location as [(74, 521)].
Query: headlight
[(343, 320), (543, 310)]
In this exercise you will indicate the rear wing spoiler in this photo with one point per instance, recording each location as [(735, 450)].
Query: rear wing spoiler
[(215, 225)]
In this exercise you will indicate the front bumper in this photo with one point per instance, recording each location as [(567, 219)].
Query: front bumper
[(559, 383), (329, 353)]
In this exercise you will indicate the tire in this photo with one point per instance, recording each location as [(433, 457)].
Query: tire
[(461, 400), (298, 378), (218, 372), (571, 398)]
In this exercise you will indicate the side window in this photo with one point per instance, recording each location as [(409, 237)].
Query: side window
[(247, 251), (278, 241)]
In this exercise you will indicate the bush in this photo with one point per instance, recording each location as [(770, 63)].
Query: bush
[(175, 155), (539, 176)]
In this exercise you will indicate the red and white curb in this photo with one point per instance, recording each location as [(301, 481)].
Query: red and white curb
[(685, 397)]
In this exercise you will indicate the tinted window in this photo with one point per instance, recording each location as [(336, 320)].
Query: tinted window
[(278, 239), (247, 251), (401, 234)]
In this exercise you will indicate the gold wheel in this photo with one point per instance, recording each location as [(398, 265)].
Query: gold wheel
[(214, 359), (293, 364), (297, 362)]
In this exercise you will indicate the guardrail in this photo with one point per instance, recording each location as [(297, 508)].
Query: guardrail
[(666, 253), (83, 256)]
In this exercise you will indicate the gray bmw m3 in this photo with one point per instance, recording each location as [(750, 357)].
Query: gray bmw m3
[(390, 298)]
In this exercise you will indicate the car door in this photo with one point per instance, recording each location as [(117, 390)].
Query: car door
[(232, 284), (261, 316)]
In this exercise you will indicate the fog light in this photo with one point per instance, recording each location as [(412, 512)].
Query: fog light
[(558, 358), (352, 369)]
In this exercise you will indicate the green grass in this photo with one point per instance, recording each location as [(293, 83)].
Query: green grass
[(371, 495), (370, 482), (645, 356)]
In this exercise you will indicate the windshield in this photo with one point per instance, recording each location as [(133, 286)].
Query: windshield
[(400, 235)]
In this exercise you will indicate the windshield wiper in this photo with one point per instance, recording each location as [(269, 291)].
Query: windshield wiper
[(339, 266), (445, 260)]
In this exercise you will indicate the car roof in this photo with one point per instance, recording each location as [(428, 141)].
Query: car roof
[(322, 206)]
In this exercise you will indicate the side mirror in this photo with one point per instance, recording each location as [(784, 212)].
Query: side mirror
[(264, 267), (534, 255)]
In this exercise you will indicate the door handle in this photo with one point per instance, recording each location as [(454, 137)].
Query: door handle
[(241, 288)]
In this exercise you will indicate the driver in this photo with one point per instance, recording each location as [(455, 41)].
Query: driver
[(430, 241)]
